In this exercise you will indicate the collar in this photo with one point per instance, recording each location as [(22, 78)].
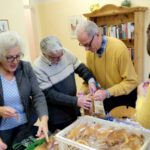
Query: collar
[(101, 50), (46, 60)]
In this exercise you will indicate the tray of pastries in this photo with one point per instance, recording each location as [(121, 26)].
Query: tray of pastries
[(90, 133)]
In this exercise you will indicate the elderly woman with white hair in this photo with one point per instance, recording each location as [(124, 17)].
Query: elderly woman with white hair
[(18, 85), (55, 70)]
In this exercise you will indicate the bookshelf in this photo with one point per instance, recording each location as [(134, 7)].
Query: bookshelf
[(118, 16)]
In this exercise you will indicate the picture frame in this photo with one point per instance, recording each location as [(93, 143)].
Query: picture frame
[(4, 25), (73, 22)]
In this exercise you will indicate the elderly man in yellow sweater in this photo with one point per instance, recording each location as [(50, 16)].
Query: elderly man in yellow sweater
[(109, 60), (143, 101)]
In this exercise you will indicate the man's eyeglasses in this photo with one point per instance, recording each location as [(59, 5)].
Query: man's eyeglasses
[(88, 44), (13, 58)]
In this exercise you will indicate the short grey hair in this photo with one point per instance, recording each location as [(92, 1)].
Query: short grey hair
[(10, 40), (51, 44), (88, 27)]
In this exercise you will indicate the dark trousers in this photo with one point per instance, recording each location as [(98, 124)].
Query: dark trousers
[(124, 100), (17, 134)]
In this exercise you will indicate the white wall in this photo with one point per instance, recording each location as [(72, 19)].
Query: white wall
[(13, 11), (54, 19)]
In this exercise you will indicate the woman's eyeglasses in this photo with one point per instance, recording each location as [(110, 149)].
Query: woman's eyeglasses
[(88, 44), (13, 58)]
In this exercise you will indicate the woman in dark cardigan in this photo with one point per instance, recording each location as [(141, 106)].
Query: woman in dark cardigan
[(18, 85)]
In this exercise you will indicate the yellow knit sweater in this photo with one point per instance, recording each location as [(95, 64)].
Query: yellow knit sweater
[(114, 70)]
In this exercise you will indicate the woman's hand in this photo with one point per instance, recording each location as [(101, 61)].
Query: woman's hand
[(43, 128), (142, 88), (8, 112), (3, 146)]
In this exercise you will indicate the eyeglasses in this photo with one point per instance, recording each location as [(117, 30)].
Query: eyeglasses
[(53, 57), (13, 58), (88, 44)]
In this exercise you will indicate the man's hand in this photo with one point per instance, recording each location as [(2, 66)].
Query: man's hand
[(8, 112), (92, 88), (84, 102), (100, 95)]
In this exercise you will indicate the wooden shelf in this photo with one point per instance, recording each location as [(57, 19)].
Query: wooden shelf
[(112, 10), (115, 15)]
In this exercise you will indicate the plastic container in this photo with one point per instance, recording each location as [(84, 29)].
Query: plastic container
[(67, 144)]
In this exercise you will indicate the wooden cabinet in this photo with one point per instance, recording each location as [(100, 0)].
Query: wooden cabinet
[(111, 15)]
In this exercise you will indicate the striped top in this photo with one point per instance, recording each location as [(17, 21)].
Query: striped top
[(49, 74), (59, 85), (12, 99)]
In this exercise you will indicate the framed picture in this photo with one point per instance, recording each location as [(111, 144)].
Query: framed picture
[(73, 22), (4, 26)]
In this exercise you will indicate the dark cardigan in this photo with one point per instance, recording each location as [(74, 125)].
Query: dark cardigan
[(28, 89)]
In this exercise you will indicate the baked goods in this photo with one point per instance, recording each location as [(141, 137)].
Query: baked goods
[(108, 138), (97, 109)]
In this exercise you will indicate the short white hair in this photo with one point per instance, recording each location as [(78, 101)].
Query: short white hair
[(88, 27), (10, 40), (51, 44)]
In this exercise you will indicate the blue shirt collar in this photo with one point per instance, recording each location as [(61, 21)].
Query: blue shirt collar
[(101, 50)]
